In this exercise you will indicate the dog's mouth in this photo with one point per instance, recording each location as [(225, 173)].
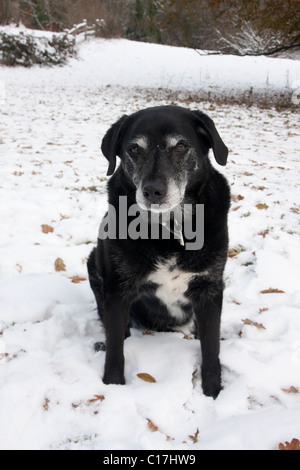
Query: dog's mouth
[(157, 208)]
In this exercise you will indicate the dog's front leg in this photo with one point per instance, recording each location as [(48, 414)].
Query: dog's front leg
[(207, 304), (115, 321)]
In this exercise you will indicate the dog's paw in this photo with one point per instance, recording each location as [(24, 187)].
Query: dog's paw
[(211, 383), (212, 389), (116, 379)]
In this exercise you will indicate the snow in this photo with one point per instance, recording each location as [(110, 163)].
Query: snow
[(52, 172)]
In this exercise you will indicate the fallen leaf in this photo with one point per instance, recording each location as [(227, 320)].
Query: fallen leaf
[(264, 309), (187, 337), (260, 326), (237, 198), (146, 377), (96, 398), (290, 390), (263, 233), (272, 291), (151, 425), (77, 279), (47, 229), (19, 268), (296, 210), (195, 437), (293, 445), (234, 252), (59, 265), (261, 206), (46, 404)]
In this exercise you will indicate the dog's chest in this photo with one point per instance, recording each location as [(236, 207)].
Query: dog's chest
[(172, 286)]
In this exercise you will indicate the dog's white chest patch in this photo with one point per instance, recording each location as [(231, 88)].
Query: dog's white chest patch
[(172, 285)]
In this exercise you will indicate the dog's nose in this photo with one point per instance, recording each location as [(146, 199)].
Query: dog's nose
[(154, 191)]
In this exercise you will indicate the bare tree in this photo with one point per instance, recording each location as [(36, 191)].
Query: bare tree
[(247, 40), (9, 11)]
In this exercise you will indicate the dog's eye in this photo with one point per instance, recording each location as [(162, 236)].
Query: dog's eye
[(180, 147), (134, 149)]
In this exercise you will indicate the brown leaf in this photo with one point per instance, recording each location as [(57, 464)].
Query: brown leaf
[(47, 229), (146, 377), (264, 309), (59, 265), (234, 252), (195, 437), (96, 398), (293, 445), (237, 198), (77, 279), (151, 425), (263, 233), (261, 206), (272, 291), (19, 268), (290, 390), (260, 326), (46, 404)]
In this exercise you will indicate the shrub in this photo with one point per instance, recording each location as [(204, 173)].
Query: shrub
[(27, 50)]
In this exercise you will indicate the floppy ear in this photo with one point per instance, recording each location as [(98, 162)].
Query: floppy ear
[(110, 144), (207, 128)]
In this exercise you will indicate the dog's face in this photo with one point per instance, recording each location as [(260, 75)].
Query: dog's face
[(160, 148)]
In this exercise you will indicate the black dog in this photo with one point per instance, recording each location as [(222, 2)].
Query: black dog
[(156, 282)]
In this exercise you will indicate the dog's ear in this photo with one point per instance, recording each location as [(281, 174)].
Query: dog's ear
[(207, 128), (111, 143)]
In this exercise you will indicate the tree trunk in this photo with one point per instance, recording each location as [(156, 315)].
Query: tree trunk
[(9, 11)]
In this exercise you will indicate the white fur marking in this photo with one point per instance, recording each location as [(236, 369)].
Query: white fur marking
[(173, 284), (172, 140), (142, 142)]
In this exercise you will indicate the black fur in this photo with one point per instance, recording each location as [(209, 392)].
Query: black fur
[(119, 269)]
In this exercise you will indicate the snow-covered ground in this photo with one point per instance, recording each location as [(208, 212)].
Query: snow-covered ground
[(52, 174)]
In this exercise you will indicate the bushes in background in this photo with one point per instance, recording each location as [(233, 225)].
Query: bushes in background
[(27, 50)]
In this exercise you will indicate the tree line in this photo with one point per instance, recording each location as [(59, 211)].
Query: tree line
[(228, 26)]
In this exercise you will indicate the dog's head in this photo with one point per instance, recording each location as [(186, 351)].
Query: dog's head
[(160, 148)]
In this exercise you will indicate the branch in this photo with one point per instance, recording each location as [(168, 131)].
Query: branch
[(253, 54)]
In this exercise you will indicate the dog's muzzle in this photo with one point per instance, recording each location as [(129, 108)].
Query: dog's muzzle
[(154, 192)]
